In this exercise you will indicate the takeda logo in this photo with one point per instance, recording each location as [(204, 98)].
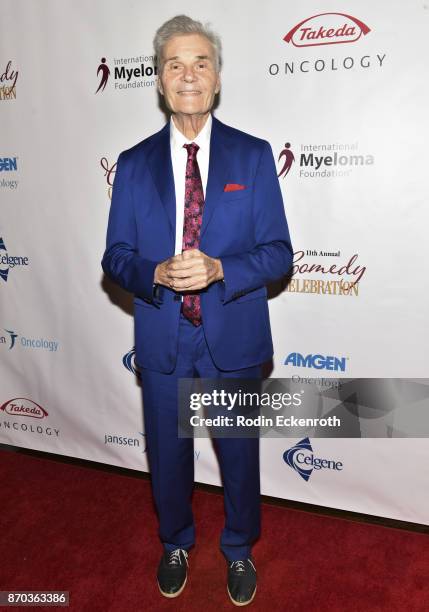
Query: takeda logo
[(22, 406), (326, 29), (36, 421), (321, 30)]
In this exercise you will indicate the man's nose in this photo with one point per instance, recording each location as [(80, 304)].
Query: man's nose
[(189, 74)]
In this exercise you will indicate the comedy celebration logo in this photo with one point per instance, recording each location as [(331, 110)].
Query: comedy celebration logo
[(8, 81), (331, 273), (109, 170)]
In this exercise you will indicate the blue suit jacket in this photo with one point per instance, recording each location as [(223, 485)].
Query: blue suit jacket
[(246, 229)]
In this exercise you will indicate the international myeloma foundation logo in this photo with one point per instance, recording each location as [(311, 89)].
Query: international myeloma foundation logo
[(326, 29), (125, 73)]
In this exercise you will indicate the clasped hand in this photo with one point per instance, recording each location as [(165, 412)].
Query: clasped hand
[(188, 271)]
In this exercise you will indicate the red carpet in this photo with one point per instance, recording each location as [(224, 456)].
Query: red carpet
[(94, 533)]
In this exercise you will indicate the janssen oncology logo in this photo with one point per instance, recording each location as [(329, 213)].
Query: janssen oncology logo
[(326, 29), (301, 459), (129, 441), (317, 361), (22, 406), (126, 73), (322, 30), (8, 166), (8, 262), (25, 342)]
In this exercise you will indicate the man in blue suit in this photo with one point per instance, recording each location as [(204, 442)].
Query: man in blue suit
[(196, 230)]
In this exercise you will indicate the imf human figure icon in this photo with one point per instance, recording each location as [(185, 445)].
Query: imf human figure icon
[(105, 73), (288, 161), (196, 231)]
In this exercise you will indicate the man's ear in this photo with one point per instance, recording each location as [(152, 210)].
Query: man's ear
[(160, 88), (217, 88)]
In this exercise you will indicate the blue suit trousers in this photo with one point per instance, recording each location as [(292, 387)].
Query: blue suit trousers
[(171, 459)]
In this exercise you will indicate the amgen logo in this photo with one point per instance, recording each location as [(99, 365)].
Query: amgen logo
[(301, 455), (318, 362), (326, 29)]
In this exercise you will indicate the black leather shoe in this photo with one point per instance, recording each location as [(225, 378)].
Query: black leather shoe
[(172, 572), (241, 581)]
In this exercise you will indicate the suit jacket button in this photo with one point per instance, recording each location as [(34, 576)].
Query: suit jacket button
[(177, 298)]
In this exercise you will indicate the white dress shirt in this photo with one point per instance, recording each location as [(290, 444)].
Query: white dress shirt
[(179, 157)]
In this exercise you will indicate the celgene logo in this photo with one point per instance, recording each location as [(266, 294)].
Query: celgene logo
[(301, 455), (7, 262), (129, 362), (326, 29), (319, 362), (21, 406)]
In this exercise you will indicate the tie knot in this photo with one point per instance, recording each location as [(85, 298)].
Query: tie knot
[(191, 149)]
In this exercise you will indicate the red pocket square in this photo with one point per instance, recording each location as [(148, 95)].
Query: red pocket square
[(233, 187)]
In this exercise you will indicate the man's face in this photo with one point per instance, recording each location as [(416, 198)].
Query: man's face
[(188, 80)]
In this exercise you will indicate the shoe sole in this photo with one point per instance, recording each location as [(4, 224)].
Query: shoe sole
[(241, 603), (171, 595)]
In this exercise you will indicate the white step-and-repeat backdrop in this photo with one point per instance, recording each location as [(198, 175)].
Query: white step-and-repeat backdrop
[(341, 91)]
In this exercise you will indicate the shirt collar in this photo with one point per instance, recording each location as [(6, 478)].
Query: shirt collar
[(177, 139)]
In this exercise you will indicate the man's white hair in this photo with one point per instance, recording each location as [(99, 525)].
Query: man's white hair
[(180, 25)]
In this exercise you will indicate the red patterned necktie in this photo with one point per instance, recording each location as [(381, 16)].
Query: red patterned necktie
[(194, 204)]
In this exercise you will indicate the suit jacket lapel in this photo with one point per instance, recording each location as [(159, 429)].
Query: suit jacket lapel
[(218, 173), (161, 168)]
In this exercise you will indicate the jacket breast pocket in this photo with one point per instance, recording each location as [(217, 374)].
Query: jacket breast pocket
[(229, 197)]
